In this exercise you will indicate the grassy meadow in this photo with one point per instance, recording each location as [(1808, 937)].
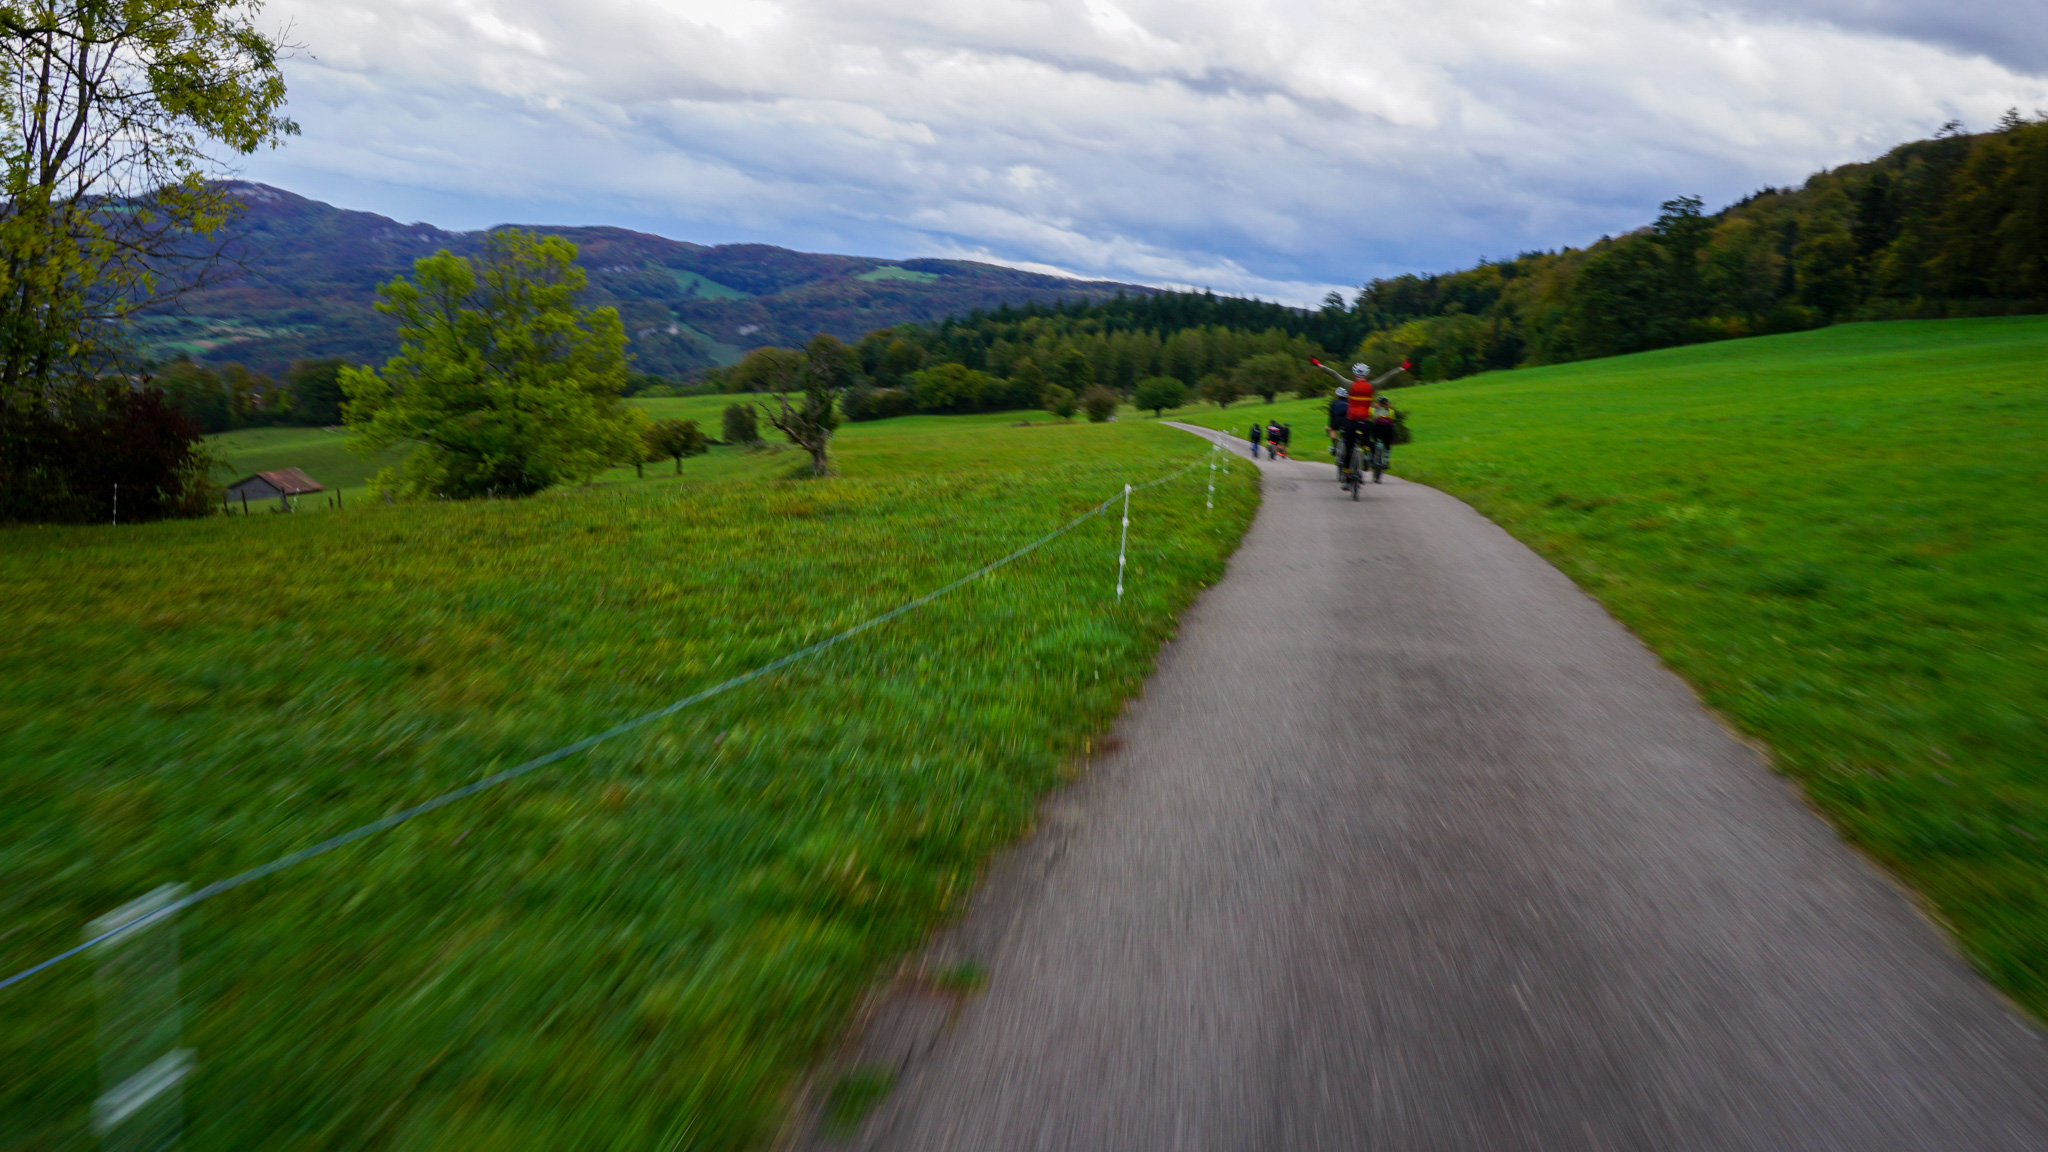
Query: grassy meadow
[(323, 452), (1840, 538), (643, 946)]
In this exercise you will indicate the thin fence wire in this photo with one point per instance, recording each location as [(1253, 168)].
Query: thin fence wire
[(396, 818)]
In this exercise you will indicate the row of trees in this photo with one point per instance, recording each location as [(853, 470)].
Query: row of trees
[(1047, 360), (1956, 225), (229, 397)]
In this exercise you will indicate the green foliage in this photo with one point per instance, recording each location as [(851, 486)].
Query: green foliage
[(1099, 403), (1220, 389), (1028, 382), (110, 114), (508, 386), (763, 370), (1070, 369), (675, 439), (740, 424), (316, 395), (115, 103), (648, 384), (1159, 393), (109, 454), (947, 387), (643, 946), (1271, 373), (1952, 226), (816, 377), (1836, 538), (216, 401), (1060, 402)]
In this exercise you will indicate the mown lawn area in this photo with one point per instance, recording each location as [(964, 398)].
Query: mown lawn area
[(638, 947), (1840, 538)]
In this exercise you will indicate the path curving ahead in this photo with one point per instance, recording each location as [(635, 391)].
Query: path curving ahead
[(1409, 845)]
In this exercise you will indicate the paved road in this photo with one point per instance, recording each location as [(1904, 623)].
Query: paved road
[(1409, 846)]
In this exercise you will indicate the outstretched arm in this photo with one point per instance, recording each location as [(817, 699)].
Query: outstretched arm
[(1341, 378)]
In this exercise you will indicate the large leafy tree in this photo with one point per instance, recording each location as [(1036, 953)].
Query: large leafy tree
[(113, 114), (508, 386)]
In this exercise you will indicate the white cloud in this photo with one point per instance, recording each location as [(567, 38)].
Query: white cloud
[(1248, 145)]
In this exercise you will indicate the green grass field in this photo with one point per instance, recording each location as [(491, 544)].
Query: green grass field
[(323, 453), (1840, 538), (643, 946)]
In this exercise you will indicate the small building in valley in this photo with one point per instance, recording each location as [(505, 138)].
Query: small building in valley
[(280, 486)]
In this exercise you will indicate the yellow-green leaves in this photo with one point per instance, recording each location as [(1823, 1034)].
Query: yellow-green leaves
[(507, 386)]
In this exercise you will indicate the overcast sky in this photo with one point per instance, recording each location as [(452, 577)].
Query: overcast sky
[(1279, 149)]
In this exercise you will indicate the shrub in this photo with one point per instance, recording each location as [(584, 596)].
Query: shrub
[(1159, 393), (1100, 403), (948, 387), (1060, 402), (1219, 390), (67, 464), (741, 424)]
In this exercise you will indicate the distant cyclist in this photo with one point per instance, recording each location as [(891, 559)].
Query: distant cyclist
[(1258, 432), (1273, 435)]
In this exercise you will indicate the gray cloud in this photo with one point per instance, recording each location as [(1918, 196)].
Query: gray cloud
[(2011, 32), (1248, 145)]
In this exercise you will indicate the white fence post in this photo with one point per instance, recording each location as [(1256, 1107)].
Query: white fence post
[(1122, 544), (141, 1105), (1211, 499)]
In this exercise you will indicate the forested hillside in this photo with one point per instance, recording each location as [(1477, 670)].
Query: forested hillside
[(309, 273), (1952, 226)]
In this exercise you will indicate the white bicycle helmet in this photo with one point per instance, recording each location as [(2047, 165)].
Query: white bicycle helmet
[(1361, 370), (1343, 393)]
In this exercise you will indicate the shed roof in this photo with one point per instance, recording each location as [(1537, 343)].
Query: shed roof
[(289, 481)]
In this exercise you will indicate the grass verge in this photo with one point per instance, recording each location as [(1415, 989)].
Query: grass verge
[(637, 947)]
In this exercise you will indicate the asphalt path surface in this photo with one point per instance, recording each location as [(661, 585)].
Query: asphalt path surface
[(1408, 845)]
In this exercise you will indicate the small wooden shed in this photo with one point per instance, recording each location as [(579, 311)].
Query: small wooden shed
[(280, 486)]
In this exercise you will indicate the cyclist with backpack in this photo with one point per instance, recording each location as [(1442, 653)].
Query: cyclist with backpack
[(1257, 432), (1351, 413), (1351, 418)]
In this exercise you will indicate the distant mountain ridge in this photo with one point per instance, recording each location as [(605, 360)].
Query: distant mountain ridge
[(311, 271)]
